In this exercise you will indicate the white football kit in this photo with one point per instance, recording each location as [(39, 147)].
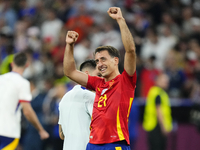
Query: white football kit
[(13, 90), (75, 111)]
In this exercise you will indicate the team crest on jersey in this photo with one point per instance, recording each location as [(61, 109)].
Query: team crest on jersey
[(111, 83), (103, 91)]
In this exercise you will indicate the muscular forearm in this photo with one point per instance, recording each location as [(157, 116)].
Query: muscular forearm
[(126, 35), (69, 65), (32, 118), (69, 62), (129, 45), (30, 115)]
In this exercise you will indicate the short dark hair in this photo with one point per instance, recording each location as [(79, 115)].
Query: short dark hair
[(88, 63), (113, 52), (20, 59)]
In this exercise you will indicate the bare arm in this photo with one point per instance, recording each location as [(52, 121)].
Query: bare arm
[(30, 115), (62, 137), (69, 62), (127, 39)]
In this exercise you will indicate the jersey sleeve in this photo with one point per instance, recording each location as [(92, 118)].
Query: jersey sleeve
[(129, 80), (93, 81), (60, 116), (25, 92)]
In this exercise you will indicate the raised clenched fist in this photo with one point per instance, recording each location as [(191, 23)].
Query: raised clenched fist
[(71, 37), (115, 13)]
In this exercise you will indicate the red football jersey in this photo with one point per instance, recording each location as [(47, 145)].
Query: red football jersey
[(111, 109)]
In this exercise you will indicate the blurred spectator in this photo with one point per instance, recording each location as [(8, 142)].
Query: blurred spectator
[(26, 10), (35, 68), (175, 9), (139, 22), (155, 45), (21, 34), (157, 115), (104, 35), (187, 15), (95, 36), (33, 39), (168, 21), (51, 27), (93, 5), (195, 93), (168, 36), (197, 71), (40, 14), (194, 49), (177, 77), (50, 108), (179, 51), (47, 70), (8, 13), (65, 9), (111, 36), (156, 9), (6, 39), (5, 67), (32, 3), (59, 76), (191, 55), (80, 23), (148, 76), (98, 13), (57, 52), (82, 51), (31, 139)]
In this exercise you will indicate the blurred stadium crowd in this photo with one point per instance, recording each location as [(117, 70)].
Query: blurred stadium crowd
[(166, 33)]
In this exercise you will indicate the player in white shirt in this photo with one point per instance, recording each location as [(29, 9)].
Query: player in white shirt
[(15, 95), (75, 112)]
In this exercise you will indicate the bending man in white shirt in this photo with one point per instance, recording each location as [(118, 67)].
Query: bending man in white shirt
[(75, 112)]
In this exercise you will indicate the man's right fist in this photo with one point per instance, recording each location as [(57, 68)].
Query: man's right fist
[(71, 37)]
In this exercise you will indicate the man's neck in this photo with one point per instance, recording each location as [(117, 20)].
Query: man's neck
[(112, 76), (18, 70)]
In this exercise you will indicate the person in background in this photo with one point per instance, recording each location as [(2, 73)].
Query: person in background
[(51, 115), (157, 114), (16, 95), (31, 140), (5, 67), (75, 112)]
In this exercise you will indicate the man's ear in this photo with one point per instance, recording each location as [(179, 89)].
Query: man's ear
[(27, 64), (86, 72), (116, 60)]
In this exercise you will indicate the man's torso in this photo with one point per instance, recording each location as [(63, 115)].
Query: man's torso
[(13, 88), (111, 110)]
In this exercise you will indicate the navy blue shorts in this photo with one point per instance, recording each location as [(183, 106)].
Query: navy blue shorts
[(121, 145), (7, 143)]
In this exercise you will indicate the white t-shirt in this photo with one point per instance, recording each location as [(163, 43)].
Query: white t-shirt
[(13, 89), (75, 111)]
